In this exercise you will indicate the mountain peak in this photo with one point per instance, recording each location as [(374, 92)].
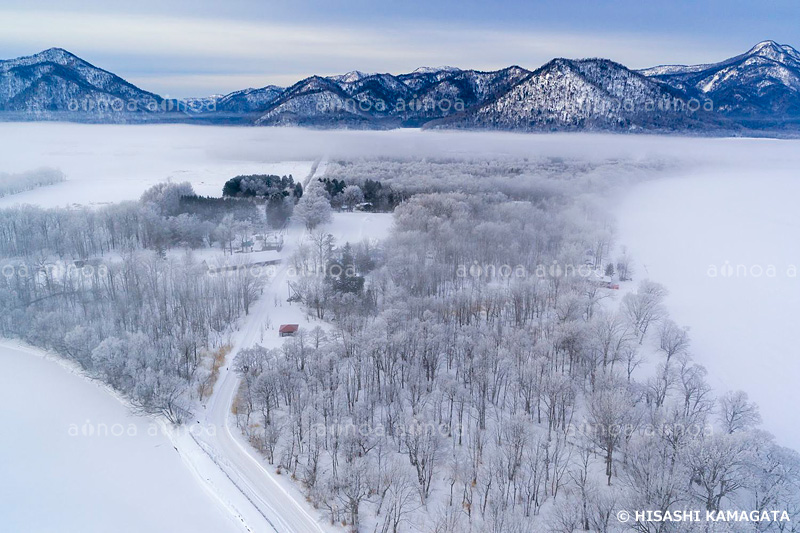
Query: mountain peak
[(56, 55), (51, 55), (56, 50), (558, 63), (55, 83), (350, 77), (433, 70), (770, 49), (768, 43)]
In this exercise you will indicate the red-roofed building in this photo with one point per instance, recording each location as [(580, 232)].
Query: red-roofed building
[(288, 330)]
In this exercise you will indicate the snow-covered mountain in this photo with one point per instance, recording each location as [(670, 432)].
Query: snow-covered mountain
[(54, 84), (248, 103), (457, 91), (349, 77), (594, 94), (760, 88), (314, 100), (424, 76), (386, 100)]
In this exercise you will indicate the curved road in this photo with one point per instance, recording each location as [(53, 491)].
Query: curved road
[(282, 507)]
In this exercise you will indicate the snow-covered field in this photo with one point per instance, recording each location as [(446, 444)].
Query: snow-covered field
[(724, 241), (66, 467)]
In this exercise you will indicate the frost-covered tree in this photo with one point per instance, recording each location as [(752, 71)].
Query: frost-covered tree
[(737, 412), (314, 208), (352, 196), (645, 306), (673, 340), (610, 419), (166, 196)]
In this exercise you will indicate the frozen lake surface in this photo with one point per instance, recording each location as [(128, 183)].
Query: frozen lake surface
[(725, 243), (109, 164), (65, 469)]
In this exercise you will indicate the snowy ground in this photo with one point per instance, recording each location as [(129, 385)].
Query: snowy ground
[(65, 466), (356, 227), (724, 242)]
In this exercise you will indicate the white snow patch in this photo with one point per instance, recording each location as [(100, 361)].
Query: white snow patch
[(356, 227), (56, 478)]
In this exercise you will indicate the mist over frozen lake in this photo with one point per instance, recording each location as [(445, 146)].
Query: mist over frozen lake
[(112, 163), (715, 200)]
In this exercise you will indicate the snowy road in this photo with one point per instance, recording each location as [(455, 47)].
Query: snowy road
[(280, 506), (278, 503)]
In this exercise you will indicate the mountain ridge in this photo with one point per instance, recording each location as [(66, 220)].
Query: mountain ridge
[(758, 90), (755, 88)]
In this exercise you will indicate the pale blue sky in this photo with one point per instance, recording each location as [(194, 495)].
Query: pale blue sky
[(198, 47)]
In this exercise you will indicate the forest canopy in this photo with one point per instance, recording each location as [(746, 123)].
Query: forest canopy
[(262, 185)]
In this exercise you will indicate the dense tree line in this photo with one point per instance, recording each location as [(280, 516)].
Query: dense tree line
[(213, 209), (97, 287), (262, 185), (280, 194), (468, 396), (332, 186), (372, 194), (143, 324), (168, 215), (524, 179), (25, 181)]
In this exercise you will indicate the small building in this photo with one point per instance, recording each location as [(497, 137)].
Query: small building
[(288, 330), (605, 282), (272, 241)]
